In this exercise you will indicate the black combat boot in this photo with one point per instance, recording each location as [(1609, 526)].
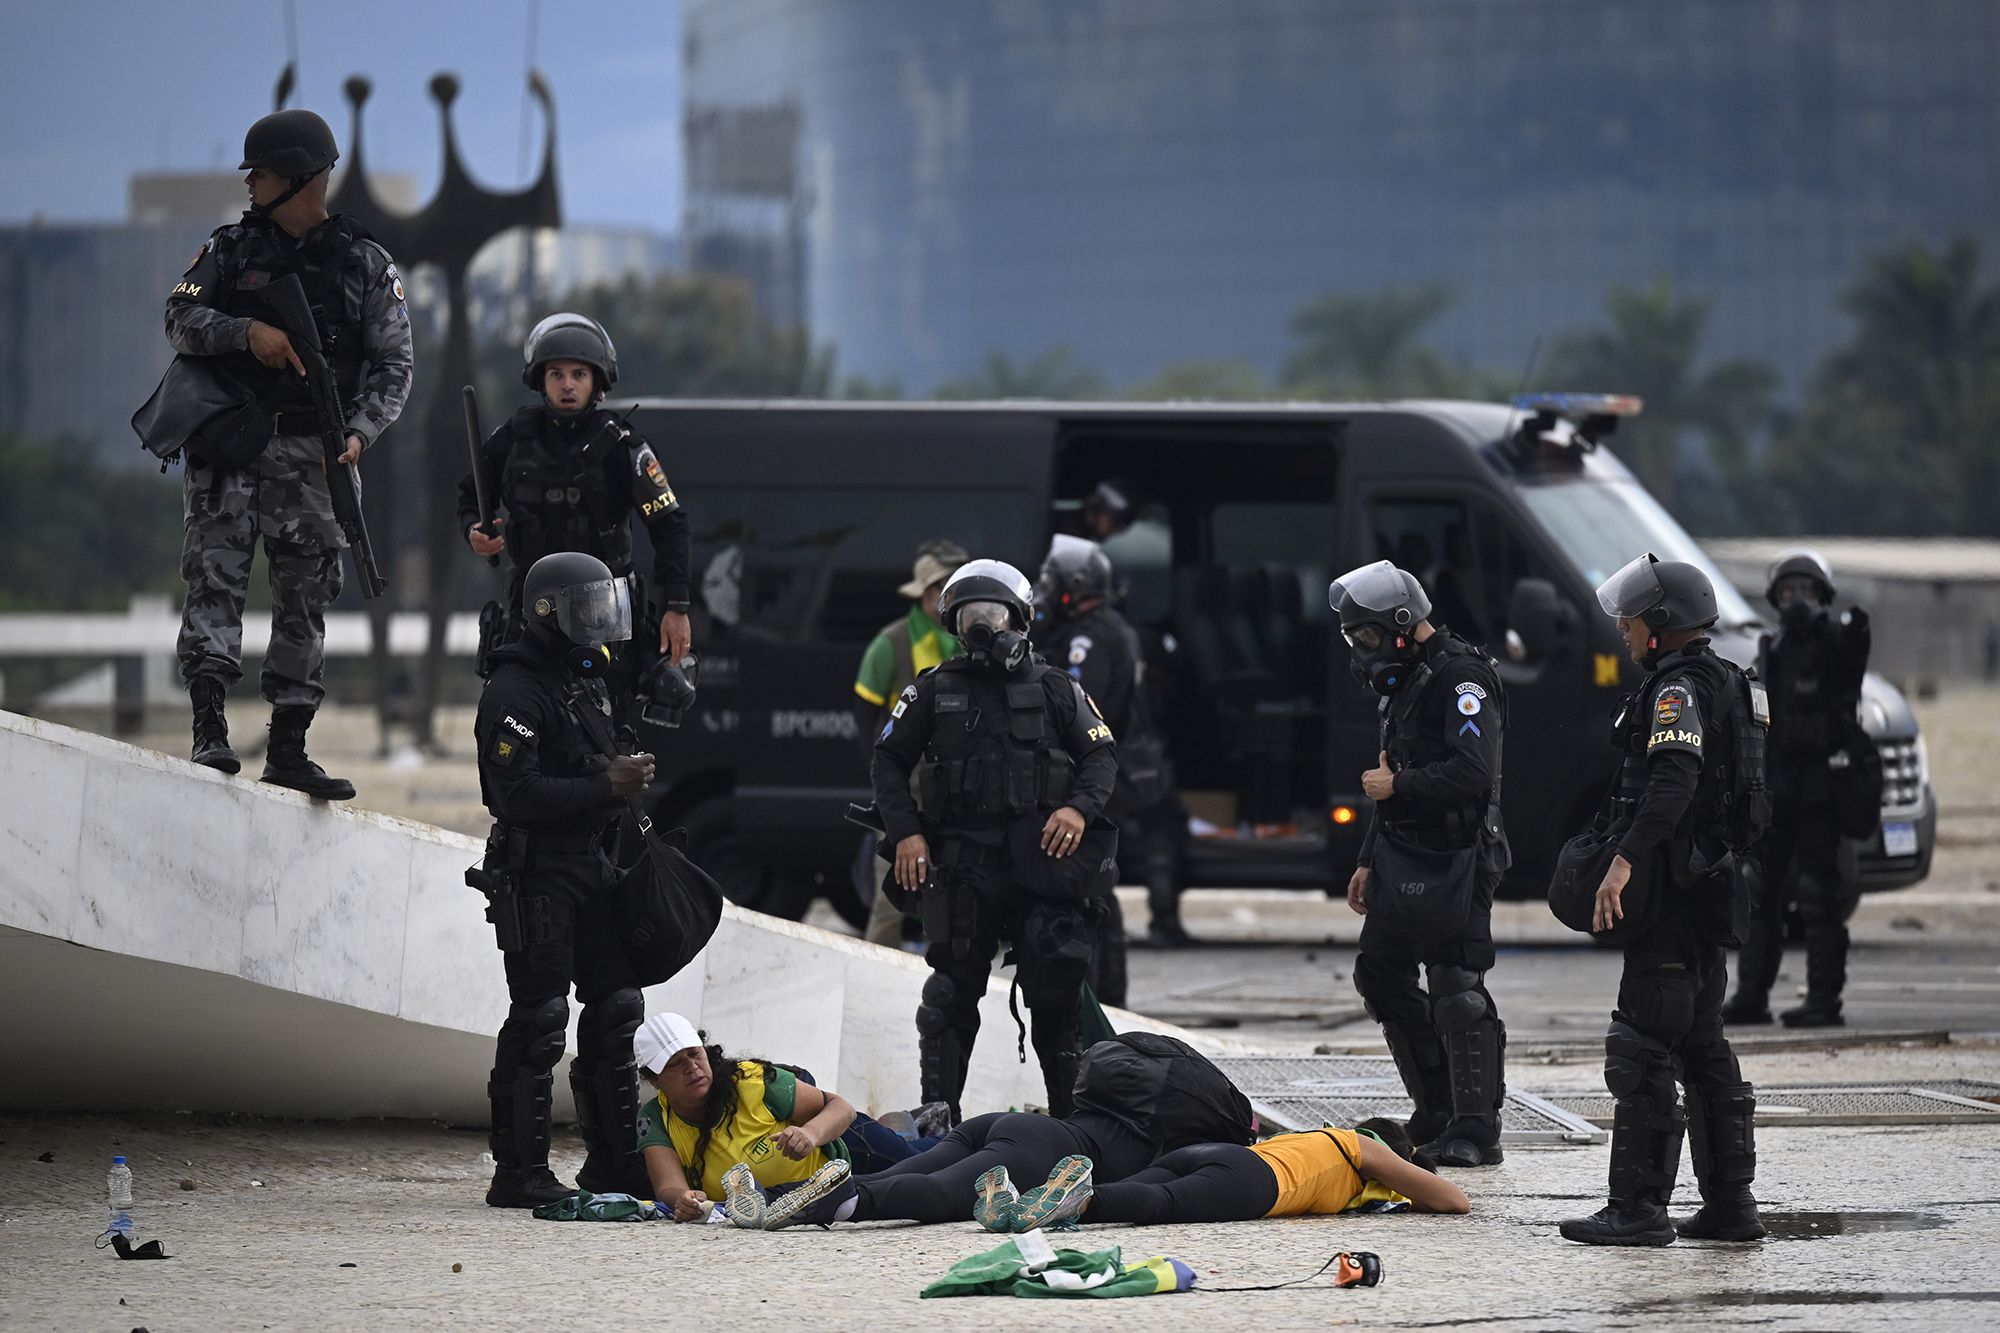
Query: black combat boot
[(1722, 1140), (519, 1142), (1645, 1158), (607, 1114), (211, 728), (1814, 1014), (286, 765), (1746, 1011)]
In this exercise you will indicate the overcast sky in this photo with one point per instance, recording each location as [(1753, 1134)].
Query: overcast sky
[(94, 90)]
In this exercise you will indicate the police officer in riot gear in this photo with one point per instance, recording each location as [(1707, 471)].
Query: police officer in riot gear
[(1001, 834), (569, 475), (1436, 790), (1813, 669), (1692, 787), (549, 776), (280, 497), (1078, 629)]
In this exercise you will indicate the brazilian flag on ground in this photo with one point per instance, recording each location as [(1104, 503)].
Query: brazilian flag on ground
[(1028, 1265)]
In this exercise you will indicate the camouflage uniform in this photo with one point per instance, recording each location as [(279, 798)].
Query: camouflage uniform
[(283, 496)]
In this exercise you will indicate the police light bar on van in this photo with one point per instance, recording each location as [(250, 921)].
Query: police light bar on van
[(1578, 405), (1561, 422)]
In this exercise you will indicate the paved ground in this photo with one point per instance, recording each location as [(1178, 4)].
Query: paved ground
[(1874, 1227)]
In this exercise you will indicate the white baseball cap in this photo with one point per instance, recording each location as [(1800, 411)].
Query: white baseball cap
[(660, 1038)]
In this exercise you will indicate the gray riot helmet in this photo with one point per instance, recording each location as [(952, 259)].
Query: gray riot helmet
[(1666, 594), (1800, 562), (568, 336), (1380, 607), (576, 598), (998, 638), (1074, 570)]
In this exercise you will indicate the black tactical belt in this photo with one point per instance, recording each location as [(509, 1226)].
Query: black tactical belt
[(293, 423), (560, 844)]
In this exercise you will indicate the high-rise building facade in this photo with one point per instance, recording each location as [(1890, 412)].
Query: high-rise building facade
[(1159, 180)]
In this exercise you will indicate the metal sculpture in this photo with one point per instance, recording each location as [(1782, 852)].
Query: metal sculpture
[(448, 232)]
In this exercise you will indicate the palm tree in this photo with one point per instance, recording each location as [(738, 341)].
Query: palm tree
[(1354, 345), (1651, 349), (1232, 381)]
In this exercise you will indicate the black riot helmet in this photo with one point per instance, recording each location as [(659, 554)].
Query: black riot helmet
[(666, 691), (568, 336), (1800, 562), (574, 599), (1074, 570), (1667, 595), (1380, 607), (1116, 499), (291, 143)]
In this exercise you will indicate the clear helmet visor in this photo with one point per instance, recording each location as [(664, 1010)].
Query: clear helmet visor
[(995, 616), (1375, 587), (1632, 589), (595, 613), (1363, 638)]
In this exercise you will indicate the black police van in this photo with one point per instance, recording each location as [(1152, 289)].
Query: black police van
[(806, 516)]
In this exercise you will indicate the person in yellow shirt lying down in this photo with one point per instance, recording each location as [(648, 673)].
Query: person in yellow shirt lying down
[(1372, 1167), (712, 1112)]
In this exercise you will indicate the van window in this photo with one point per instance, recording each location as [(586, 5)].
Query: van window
[(1293, 542), (1467, 555), (823, 566)]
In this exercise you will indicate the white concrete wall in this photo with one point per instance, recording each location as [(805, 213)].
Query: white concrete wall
[(174, 938)]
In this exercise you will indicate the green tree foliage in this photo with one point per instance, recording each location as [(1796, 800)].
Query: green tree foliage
[(1651, 348), (1359, 345), (1056, 373), (1231, 381), (1901, 431), (699, 336), (80, 534)]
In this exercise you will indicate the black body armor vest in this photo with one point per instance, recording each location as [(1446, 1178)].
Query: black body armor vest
[(258, 254), (559, 500), (1413, 735), (992, 754)]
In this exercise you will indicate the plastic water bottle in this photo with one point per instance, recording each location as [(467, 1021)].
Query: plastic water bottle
[(119, 1185)]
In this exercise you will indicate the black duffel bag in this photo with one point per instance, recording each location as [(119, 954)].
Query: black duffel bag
[(1854, 781), (1417, 892), (1580, 869), (1090, 870), (199, 409), (666, 906)]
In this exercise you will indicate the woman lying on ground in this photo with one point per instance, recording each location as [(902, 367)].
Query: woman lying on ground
[(713, 1112), (1372, 1167), (939, 1185)]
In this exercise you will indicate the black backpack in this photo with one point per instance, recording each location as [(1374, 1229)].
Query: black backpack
[(1164, 1090)]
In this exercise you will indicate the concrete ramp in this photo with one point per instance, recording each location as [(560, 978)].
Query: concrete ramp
[(172, 938)]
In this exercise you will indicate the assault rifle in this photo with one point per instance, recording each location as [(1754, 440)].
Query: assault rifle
[(286, 299)]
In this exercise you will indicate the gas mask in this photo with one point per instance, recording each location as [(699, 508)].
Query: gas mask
[(1378, 659), (1002, 649), (587, 661), (1798, 614), (667, 690)]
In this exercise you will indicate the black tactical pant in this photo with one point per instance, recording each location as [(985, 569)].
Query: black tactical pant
[(1449, 1044), (1800, 856), (1668, 1026), (1051, 943), (572, 940)]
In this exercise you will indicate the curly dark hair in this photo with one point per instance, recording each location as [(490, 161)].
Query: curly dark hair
[(721, 1101), (1396, 1135)]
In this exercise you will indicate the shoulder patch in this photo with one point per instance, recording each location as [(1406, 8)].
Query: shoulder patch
[(1079, 649), (503, 751), (1472, 688), (1095, 711), (198, 256), (1468, 704), (1670, 703)]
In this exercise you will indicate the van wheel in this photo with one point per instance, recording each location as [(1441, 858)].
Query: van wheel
[(715, 846)]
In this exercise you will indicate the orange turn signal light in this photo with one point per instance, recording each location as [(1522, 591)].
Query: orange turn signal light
[(1343, 814)]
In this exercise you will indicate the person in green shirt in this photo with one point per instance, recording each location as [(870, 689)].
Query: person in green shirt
[(901, 651)]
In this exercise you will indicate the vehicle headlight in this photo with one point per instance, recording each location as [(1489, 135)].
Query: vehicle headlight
[(1923, 764), (1874, 717)]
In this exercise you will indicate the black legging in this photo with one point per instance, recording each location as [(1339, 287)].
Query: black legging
[(936, 1186), (1204, 1182)]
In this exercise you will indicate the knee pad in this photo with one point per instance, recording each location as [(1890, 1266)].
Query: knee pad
[(608, 1022), (548, 1027), (1456, 998), (934, 1008), (1630, 1058), (1460, 1010)]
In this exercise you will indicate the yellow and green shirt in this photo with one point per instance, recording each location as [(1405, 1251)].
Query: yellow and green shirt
[(904, 650), (762, 1109), (1314, 1176)]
